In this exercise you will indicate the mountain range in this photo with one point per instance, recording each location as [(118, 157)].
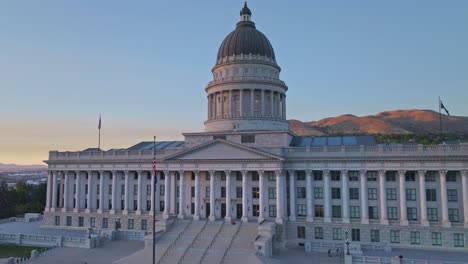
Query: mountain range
[(397, 122)]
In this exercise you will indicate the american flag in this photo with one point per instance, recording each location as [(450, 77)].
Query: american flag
[(99, 124)]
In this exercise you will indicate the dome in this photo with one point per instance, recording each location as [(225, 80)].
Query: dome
[(246, 39)]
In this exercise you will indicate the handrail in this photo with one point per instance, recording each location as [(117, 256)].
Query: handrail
[(168, 250), (211, 242), (230, 243), (182, 259)]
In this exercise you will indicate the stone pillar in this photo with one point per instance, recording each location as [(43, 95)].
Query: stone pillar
[(252, 102), (153, 190), (66, 192), (364, 201), (403, 216), (309, 196), (443, 198), (326, 196), (262, 111), (101, 191), (77, 192), (345, 196), (464, 175), (382, 199), (284, 106), (197, 196), (181, 195), (284, 201), (62, 187), (212, 216), (114, 192), (209, 107), (127, 192), (279, 197), (173, 191), (244, 197), (241, 95), (422, 197), (230, 104), (292, 196), (49, 191), (167, 194), (228, 195), (262, 199), (54, 190), (272, 103), (222, 104), (89, 197), (139, 194)]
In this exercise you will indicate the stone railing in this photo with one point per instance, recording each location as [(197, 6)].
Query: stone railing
[(246, 78), (109, 155), (47, 240), (392, 260)]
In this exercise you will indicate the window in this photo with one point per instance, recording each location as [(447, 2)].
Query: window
[(453, 215), (92, 221), (161, 206), (207, 191), (374, 235), (57, 220), (69, 220), (105, 222), (318, 210), (318, 232), (86, 188), (391, 194), (135, 205), (238, 192), (122, 204), (337, 233), (192, 174), (354, 212), (431, 195), (110, 190), (451, 176), (336, 211), (431, 176), (355, 234), (255, 193), (301, 192), (412, 213), (318, 192), (161, 189), (353, 175), (271, 176), (372, 176), (98, 189), (390, 176), (301, 233), (415, 237), (410, 194), (255, 176), (208, 177), (272, 210), (354, 193), (301, 210), (458, 240), (148, 205), (410, 176), (392, 213), (436, 238), (432, 214), (318, 175), (372, 193), (249, 138), (373, 212), (80, 221), (223, 192), (394, 236), (452, 195), (148, 189), (192, 191), (131, 224), (271, 193), (335, 175), (144, 224), (238, 176), (122, 189), (336, 193), (223, 137), (300, 175)]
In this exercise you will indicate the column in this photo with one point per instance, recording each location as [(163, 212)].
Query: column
[(127, 192), (101, 191), (309, 196), (279, 197), (262, 199), (139, 194), (66, 192), (272, 103), (197, 196), (153, 190), (292, 196), (284, 106), (262, 111), (326, 196), (222, 103), (252, 102), (54, 190), (62, 186), (173, 191), (422, 197), (230, 104), (284, 201), (241, 97), (364, 202), (212, 216), (382, 198), (114, 192), (443, 199), (228, 195), (181, 195), (49, 191), (167, 194), (244, 197), (77, 192), (465, 196), (345, 196), (90, 192), (403, 216)]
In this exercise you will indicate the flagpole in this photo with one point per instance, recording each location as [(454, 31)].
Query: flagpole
[(440, 120), (154, 200), (99, 134)]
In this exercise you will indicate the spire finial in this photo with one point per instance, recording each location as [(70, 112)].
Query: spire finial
[(245, 13)]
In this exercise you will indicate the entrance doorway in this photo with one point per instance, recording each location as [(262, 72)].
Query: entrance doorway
[(207, 210), (223, 210), (238, 211)]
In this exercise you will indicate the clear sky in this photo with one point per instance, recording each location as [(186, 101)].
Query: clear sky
[(144, 65)]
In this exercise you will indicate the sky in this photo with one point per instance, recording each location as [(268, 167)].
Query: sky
[(143, 65)]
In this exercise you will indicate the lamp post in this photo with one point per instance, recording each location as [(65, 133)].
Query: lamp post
[(347, 242)]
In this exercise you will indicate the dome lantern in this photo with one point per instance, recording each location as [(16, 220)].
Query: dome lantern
[(245, 13)]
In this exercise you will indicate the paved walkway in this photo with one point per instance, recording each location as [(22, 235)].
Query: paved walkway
[(111, 252), (299, 256), (434, 255), (35, 228)]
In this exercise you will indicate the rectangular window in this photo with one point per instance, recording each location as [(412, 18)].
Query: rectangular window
[(372, 193), (223, 177), (272, 210), (92, 221), (453, 215), (336, 193), (375, 235), (318, 232), (372, 176), (105, 222), (271, 193), (255, 176), (301, 233), (353, 175), (318, 210), (451, 176), (431, 176), (86, 188), (162, 176), (394, 236), (98, 189), (144, 224), (335, 175), (415, 237), (410, 176), (355, 234), (161, 189), (238, 176), (318, 192), (248, 138), (110, 190), (57, 220), (223, 192), (458, 240), (80, 221), (390, 176), (337, 234), (69, 220), (148, 189), (131, 224), (301, 192), (432, 214), (238, 192), (318, 175), (373, 212), (207, 191), (392, 213), (354, 193), (301, 210), (436, 238), (412, 213), (410, 194), (122, 189), (452, 195), (208, 177), (300, 175), (431, 195), (192, 191), (391, 194), (354, 212), (336, 211), (255, 193)]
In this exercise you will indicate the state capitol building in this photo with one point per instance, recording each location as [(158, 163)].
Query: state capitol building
[(247, 166)]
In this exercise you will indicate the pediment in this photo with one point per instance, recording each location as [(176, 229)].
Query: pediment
[(222, 150)]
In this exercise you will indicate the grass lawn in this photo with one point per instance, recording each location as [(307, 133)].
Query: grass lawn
[(8, 250)]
